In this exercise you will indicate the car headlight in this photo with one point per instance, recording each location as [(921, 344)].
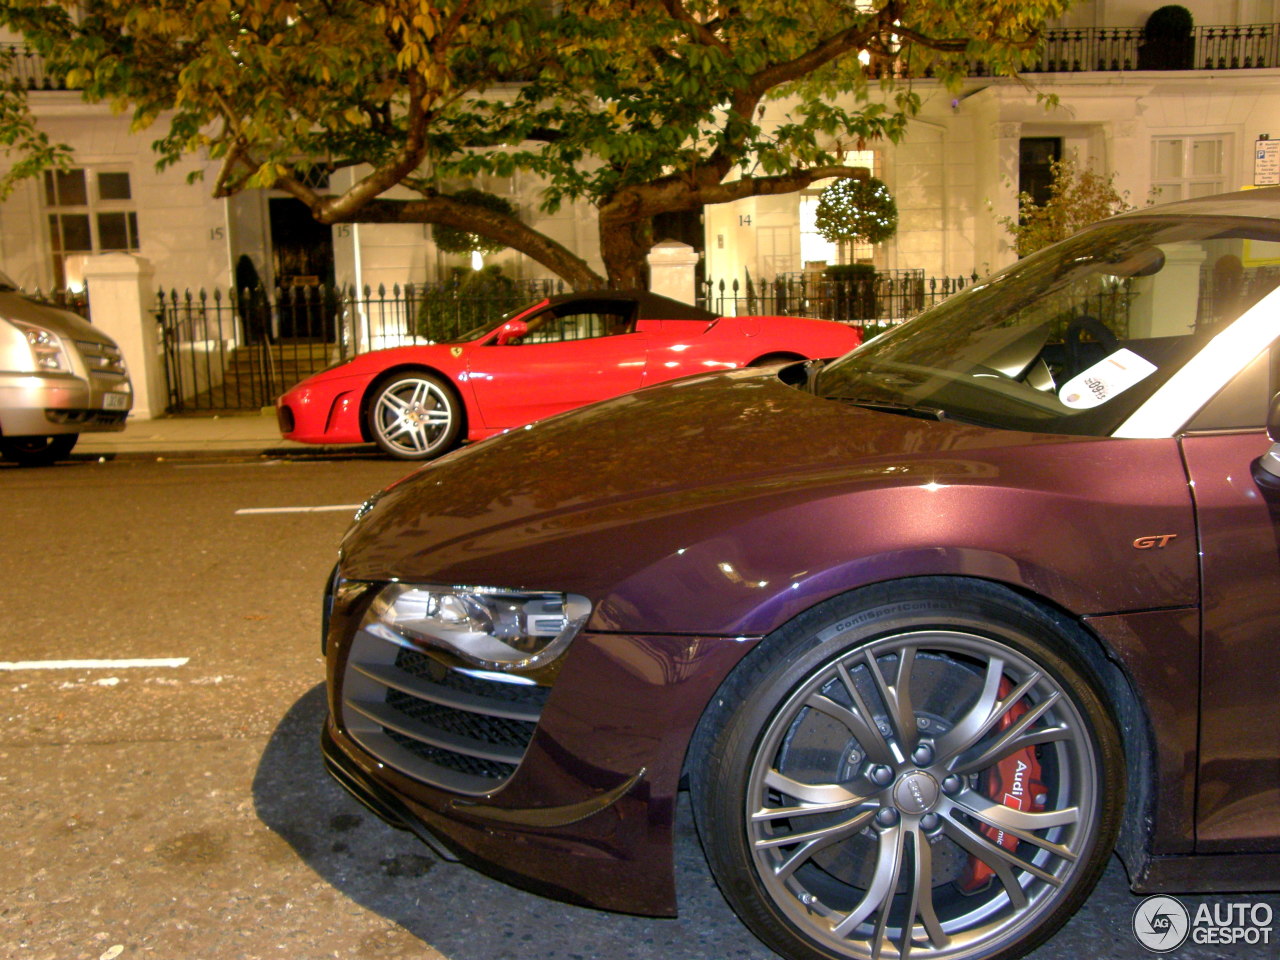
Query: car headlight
[(492, 628), (46, 347)]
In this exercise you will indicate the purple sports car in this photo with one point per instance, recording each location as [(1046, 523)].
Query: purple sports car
[(929, 630)]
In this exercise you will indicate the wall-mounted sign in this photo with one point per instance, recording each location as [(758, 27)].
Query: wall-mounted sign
[(1266, 162)]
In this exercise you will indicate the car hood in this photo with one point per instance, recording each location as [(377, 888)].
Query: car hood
[(15, 306), (755, 478)]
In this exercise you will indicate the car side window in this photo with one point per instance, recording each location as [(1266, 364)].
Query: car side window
[(578, 322), (1242, 404)]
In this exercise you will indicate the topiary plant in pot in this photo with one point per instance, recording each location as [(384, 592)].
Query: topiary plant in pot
[(1167, 41)]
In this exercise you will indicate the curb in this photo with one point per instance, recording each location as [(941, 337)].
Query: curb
[(246, 452)]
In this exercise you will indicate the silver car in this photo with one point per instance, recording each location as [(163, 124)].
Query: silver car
[(59, 377)]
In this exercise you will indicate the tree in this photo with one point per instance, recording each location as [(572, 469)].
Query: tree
[(638, 107), (850, 211), (1077, 198)]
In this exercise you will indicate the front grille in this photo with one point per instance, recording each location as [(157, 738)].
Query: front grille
[(102, 358), (284, 417), (448, 729), (86, 417)]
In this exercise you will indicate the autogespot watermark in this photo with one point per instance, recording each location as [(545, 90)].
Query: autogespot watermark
[(1163, 923)]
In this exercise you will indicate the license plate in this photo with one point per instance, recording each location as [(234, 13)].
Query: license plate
[(115, 401)]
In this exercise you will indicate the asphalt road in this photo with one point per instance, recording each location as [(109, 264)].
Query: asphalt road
[(179, 810)]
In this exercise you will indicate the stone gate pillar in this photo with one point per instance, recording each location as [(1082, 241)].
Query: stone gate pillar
[(121, 305), (671, 271)]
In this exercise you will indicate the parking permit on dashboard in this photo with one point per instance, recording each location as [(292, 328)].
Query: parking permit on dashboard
[(1107, 378)]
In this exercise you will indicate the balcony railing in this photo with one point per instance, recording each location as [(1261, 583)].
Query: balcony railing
[(19, 62), (1074, 50), (1117, 49), (1208, 48)]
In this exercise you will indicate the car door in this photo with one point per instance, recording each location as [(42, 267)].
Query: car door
[(573, 354), (678, 348), (1238, 516)]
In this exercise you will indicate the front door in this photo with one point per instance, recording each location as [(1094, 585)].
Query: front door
[(302, 251)]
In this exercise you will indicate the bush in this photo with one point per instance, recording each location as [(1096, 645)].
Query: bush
[(1076, 198), (467, 299), (849, 271), (1169, 23)]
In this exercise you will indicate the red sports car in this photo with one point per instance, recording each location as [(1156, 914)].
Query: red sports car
[(417, 402)]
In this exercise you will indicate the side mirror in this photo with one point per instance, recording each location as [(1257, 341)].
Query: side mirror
[(1269, 462), (511, 330)]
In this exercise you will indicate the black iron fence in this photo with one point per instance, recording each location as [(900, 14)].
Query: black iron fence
[(21, 65), (229, 350), (870, 301), (1117, 49), (1205, 48)]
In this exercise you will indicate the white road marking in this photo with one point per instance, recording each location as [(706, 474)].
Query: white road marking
[(225, 464), (93, 664), (353, 507)]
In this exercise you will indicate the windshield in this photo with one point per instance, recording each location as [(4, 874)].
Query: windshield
[(476, 332), (1073, 338)]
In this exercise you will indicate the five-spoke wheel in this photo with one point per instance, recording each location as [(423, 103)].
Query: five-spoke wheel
[(907, 774), (414, 416)]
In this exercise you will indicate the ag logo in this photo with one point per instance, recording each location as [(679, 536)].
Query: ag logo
[(455, 352), (1161, 924)]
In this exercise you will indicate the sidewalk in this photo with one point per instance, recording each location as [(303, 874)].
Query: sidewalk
[(248, 434)]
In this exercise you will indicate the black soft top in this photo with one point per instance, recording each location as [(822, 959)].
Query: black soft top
[(648, 306)]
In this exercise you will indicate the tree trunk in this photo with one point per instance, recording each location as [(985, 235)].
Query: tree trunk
[(624, 247)]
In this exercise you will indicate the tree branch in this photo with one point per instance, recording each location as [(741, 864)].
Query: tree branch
[(641, 202), (488, 223)]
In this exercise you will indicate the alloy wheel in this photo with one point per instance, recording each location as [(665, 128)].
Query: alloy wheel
[(414, 418), (926, 794)]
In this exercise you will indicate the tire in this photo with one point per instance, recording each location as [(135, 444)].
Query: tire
[(842, 778), (37, 451), (414, 416)]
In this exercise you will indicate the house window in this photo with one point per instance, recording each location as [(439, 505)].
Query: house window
[(1188, 167), (1036, 157), (90, 211), (813, 246)]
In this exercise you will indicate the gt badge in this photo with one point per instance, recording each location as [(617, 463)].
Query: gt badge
[(455, 352), (1147, 543)]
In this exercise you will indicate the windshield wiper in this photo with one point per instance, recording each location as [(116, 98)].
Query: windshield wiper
[(889, 406)]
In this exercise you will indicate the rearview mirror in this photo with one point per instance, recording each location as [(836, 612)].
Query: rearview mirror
[(511, 330), (1269, 462)]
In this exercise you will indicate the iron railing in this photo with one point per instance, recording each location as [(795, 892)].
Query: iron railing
[(874, 300), (1065, 50), (1118, 49), (229, 350), (1206, 48), (21, 65)]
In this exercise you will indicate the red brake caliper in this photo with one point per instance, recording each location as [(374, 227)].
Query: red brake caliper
[(1014, 782)]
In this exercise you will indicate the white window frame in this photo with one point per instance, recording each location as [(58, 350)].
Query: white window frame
[(1189, 184), (68, 266)]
